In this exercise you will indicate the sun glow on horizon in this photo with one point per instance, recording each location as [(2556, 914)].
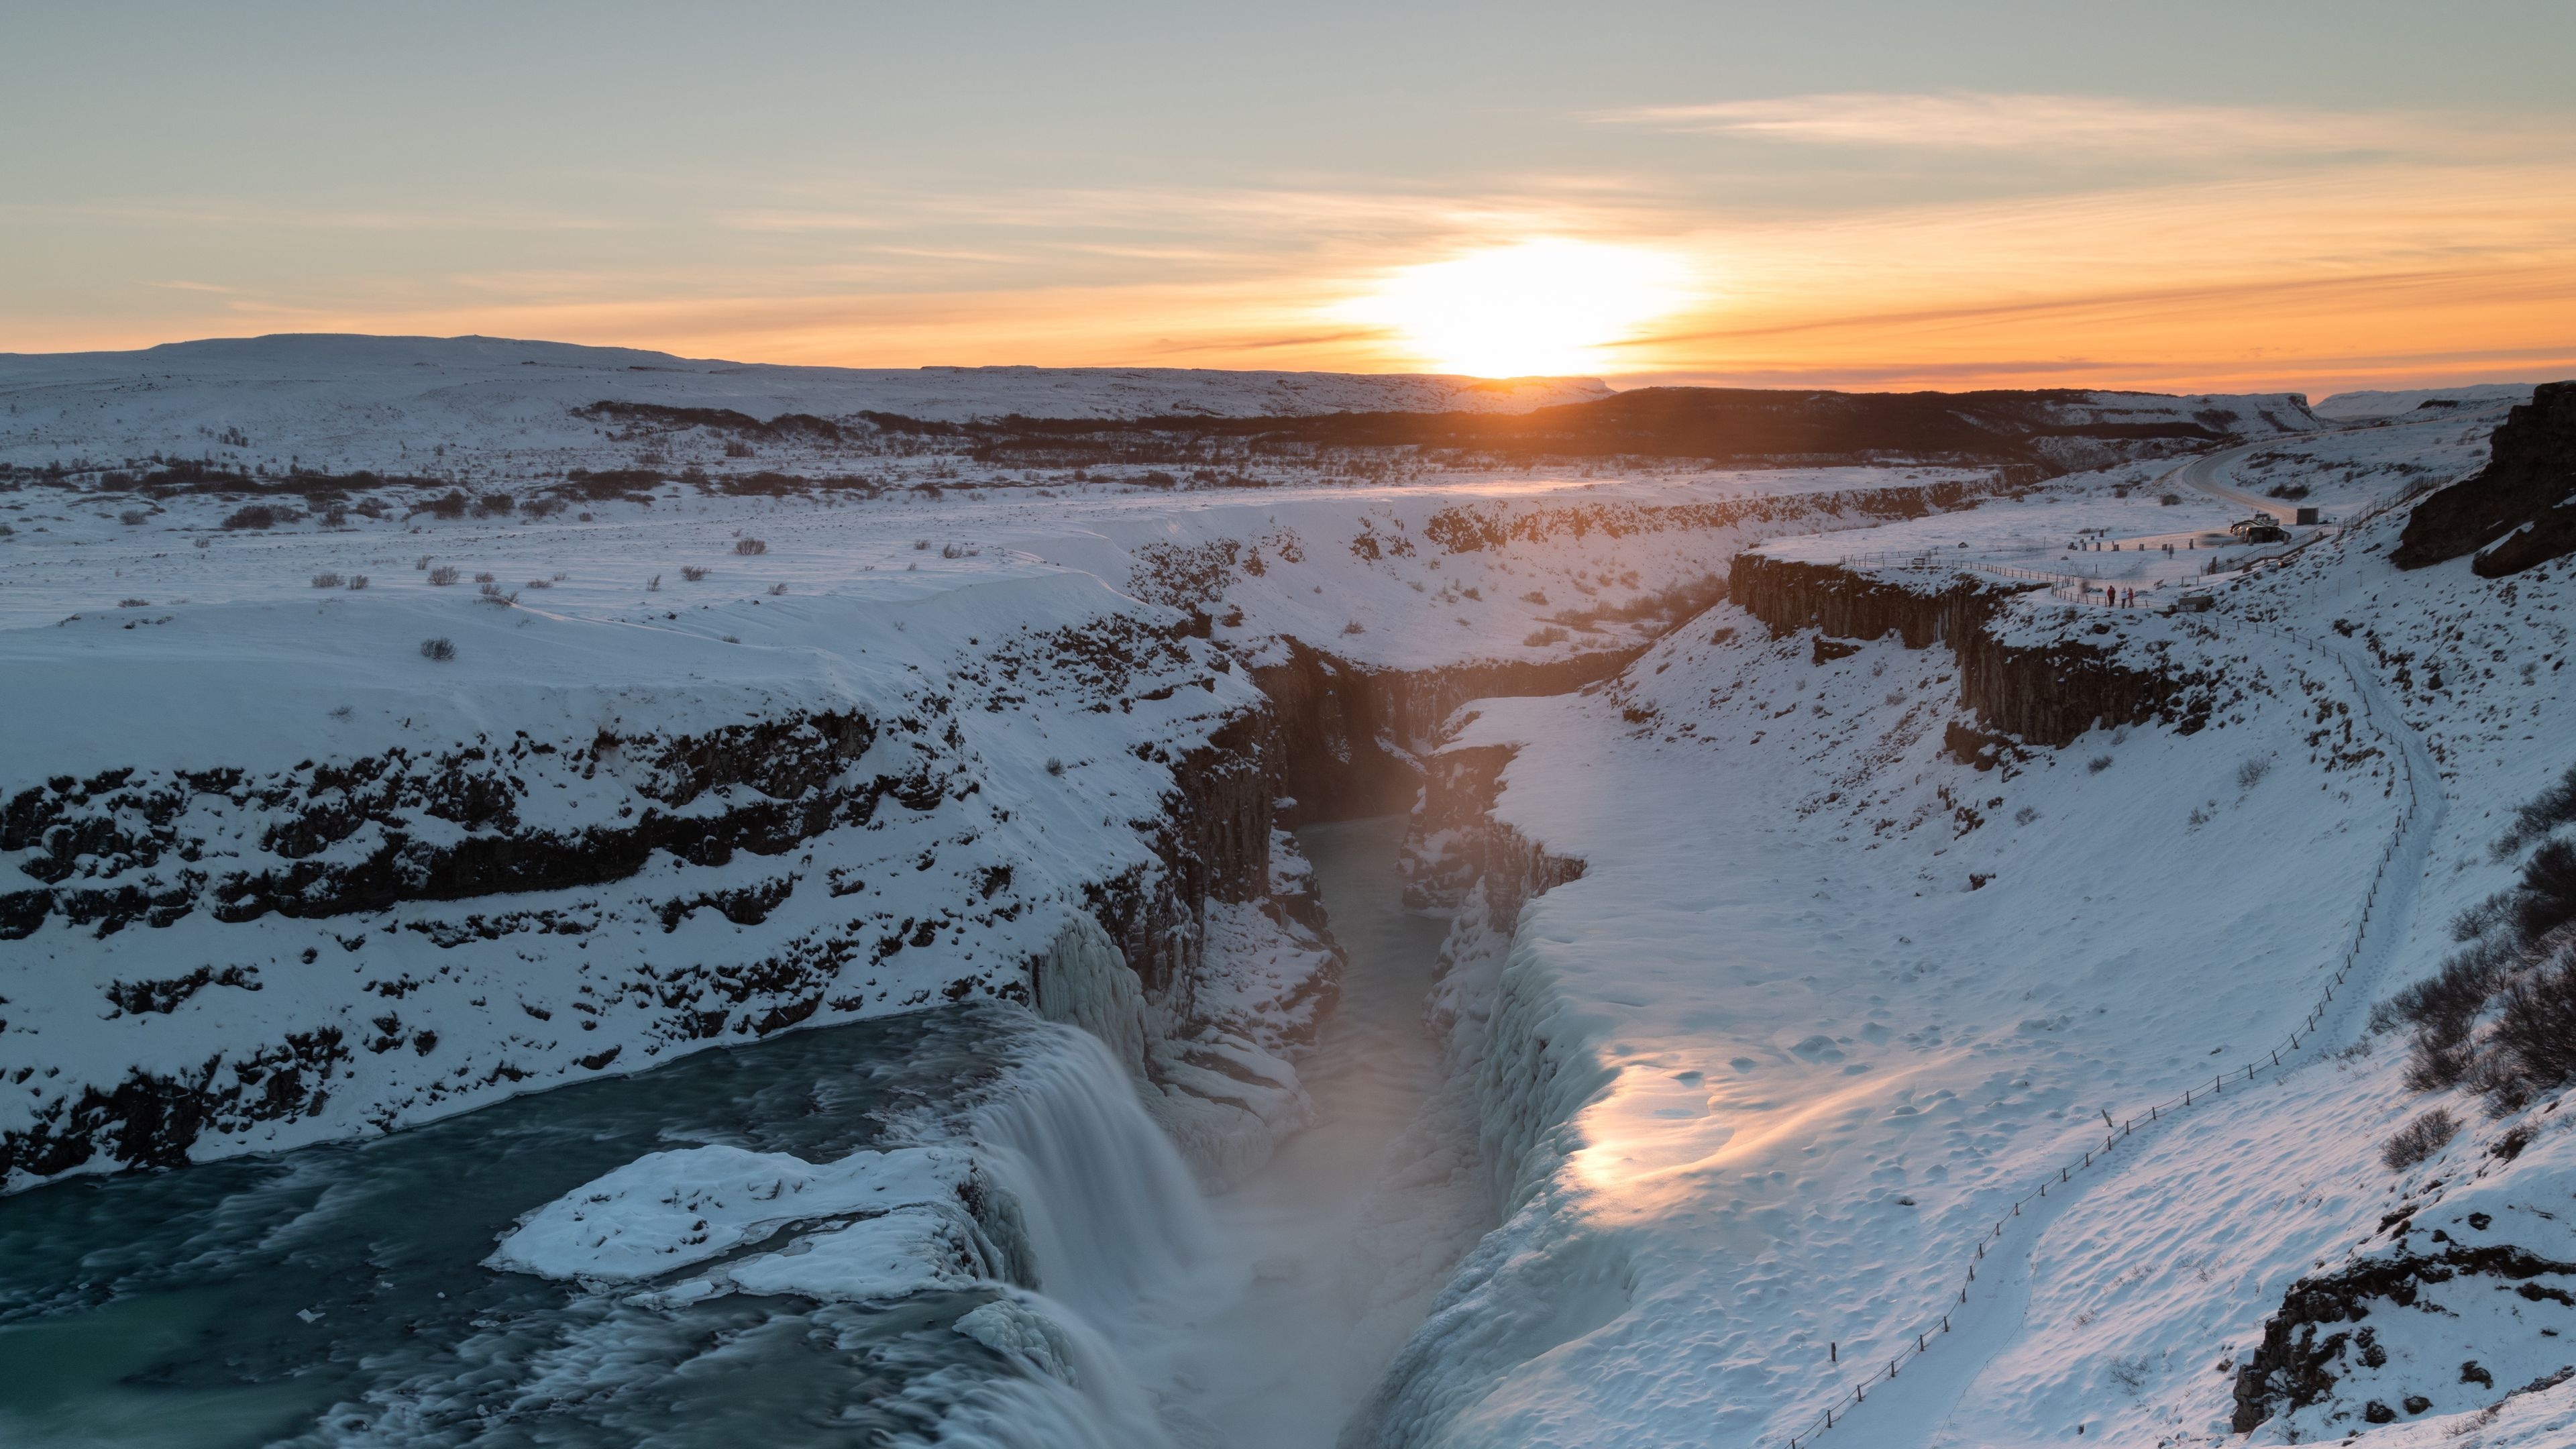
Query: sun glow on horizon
[(1544, 306)]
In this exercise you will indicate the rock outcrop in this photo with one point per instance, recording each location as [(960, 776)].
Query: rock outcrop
[(1348, 741), (2525, 496), (2039, 695)]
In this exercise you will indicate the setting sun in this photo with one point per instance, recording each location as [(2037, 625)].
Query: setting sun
[(1545, 306)]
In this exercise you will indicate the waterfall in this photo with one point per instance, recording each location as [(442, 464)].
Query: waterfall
[(1112, 1214)]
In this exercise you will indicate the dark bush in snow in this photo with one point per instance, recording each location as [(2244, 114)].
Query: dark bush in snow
[(257, 515), (2547, 811), (691, 573), (327, 580), (357, 582), (749, 545), (2547, 898), (438, 649), (443, 575), (2500, 1016), (2537, 1028), (2419, 1139)]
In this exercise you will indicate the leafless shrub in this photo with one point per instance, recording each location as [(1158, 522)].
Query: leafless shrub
[(357, 582), (492, 594), (328, 580), (2097, 764), (953, 550), (421, 562), (133, 516), (2419, 1139), (2251, 772), (2537, 1028), (134, 603), (749, 546), (1354, 627), (777, 590), (438, 649), (443, 575), (485, 579), (1539, 638), (540, 583), (2547, 811), (2025, 815), (691, 574), (921, 545), (1896, 696), (2169, 499), (1054, 766)]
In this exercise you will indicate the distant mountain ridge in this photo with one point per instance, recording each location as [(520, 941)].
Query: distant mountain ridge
[(387, 369), (497, 411)]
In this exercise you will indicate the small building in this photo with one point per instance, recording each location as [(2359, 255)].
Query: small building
[(2194, 603), (2304, 516)]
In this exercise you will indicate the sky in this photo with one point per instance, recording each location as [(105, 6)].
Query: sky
[(2174, 196)]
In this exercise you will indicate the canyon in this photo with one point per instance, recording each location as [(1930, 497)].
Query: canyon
[(1363, 911)]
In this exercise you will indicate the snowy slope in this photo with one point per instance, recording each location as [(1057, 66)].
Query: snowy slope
[(1836, 993), (2351, 407)]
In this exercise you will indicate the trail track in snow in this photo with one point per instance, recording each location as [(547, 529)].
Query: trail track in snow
[(1920, 1398)]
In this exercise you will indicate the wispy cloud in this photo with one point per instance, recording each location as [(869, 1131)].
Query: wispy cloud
[(2030, 122)]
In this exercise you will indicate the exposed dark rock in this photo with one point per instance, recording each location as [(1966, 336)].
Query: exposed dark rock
[(2529, 484), (790, 773), (1347, 741), (1453, 841), (2039, 430), (151, 1120), (2039, 696), (2303, 1344)]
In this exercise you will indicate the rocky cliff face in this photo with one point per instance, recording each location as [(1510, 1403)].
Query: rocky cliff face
[(2040, 695), (1346, 741), (222, 957), (2527, 491)]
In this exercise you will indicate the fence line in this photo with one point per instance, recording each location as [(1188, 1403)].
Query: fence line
[(1929, 1331)]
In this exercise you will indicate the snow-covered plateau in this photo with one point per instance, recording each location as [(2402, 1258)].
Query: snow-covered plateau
[(560, 895)]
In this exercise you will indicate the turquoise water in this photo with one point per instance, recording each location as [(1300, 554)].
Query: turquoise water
[(335, 1294)]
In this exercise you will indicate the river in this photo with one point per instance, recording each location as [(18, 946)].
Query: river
[(339, 1294)]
